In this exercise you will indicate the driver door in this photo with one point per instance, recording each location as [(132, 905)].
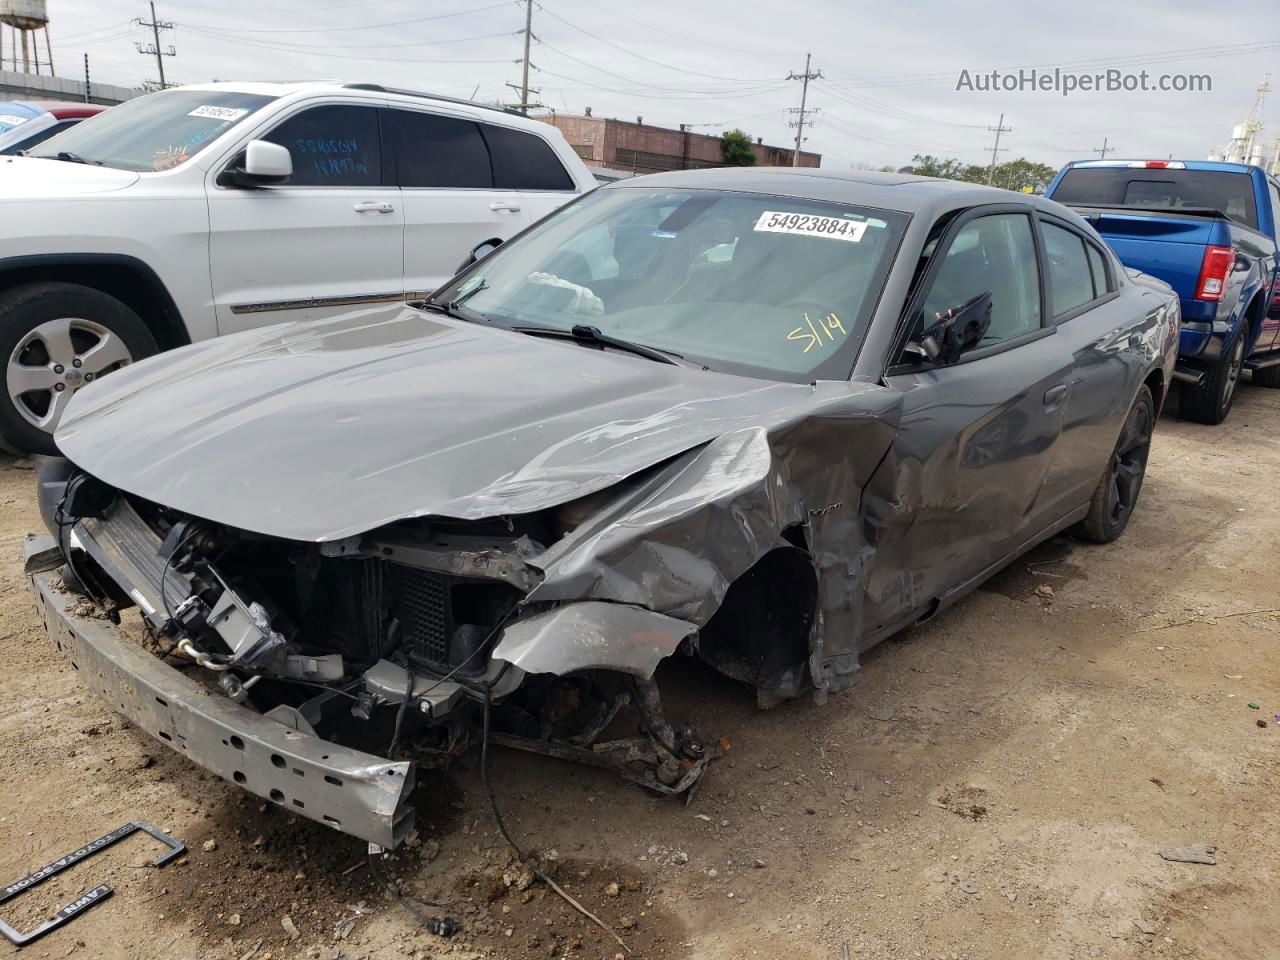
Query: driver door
[(963, 487)]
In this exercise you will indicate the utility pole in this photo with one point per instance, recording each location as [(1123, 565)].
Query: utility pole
[(156, 26), (799, 121), (1104, 149), (86, 78), (998, 129), (524, 91)]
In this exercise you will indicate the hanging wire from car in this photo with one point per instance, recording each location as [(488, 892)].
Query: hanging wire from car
[(506, 834)]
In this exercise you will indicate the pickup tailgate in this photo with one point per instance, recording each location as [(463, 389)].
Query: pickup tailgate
[(1171, 248)]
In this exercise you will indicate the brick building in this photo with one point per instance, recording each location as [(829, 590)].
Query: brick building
[(640, 148)]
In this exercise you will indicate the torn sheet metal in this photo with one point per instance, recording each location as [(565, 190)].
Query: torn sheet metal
[(590, 636)]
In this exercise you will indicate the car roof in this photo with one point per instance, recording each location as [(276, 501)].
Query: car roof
[(901, 192)]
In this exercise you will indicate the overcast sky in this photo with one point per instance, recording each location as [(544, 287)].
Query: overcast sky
[(890, 70)]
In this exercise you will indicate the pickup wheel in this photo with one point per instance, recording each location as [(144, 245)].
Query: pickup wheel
[(1117, 492), (54, 339), (1210, 400)]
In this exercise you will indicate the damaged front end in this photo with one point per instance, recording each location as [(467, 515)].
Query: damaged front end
[(317, 675)]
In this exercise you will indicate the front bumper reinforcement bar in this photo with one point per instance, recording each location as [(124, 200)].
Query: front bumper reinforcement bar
[(354, 792)]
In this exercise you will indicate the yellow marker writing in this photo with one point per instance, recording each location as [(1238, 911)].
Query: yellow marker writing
[(813, 333)]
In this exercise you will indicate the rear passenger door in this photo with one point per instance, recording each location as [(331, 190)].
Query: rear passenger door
[(1103, 329), (446, 180)]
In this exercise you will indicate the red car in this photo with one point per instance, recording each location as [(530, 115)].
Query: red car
[(25, 123)]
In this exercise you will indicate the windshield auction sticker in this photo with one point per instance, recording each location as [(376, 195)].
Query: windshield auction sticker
[(218, 113), (811, 225)]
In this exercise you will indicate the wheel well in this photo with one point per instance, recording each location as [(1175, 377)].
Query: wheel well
[(1155, 383), (761, 632), (129, 281)]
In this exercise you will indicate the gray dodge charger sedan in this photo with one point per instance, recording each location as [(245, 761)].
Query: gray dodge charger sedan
[(761, 417)]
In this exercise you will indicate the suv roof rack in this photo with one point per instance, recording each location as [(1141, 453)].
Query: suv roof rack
[(379, 88)]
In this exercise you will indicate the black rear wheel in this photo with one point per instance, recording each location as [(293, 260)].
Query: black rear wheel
[(1117, 492), (1210, 400)]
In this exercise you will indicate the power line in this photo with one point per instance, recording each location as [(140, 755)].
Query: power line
[(284, 44), (365, 26), (638, 56), (804, 79), (156, 25)]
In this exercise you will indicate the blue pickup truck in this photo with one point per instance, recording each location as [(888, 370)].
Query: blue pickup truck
[(1209, 230)]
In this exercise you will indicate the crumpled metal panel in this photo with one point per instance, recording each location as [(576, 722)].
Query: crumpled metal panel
[(403, 414), (676, 544), (592, 635)]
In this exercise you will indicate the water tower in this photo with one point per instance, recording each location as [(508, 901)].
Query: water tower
[(25, 19)]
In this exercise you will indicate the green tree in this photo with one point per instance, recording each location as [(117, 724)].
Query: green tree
[(736, 148), (930, 166)]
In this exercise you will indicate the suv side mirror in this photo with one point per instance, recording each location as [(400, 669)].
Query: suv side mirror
[(954, 331), (479, 252), (262, 164)]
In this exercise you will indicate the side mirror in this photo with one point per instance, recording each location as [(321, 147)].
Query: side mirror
[(479, 252), (950, 333), (261, 165)]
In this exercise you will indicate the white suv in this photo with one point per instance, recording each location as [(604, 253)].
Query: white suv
[(209, 209)]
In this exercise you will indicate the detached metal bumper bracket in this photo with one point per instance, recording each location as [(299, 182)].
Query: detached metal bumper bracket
[(90, 897)]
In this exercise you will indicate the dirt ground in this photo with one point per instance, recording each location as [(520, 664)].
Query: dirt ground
[(997, 786)]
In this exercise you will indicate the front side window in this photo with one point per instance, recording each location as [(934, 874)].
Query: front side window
[(436, 151), (996, 254), (335, 145), (522, 161), (774, 287), (1070, 278), (159, 131)]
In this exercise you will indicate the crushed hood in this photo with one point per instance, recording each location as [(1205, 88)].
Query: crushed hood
[(31, 178), (326, 429)]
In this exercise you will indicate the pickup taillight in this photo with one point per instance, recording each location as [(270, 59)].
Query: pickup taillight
[(1214, 270)]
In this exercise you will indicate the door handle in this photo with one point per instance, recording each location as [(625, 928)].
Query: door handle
[(504, 206), (373, 206), (1055, 395)]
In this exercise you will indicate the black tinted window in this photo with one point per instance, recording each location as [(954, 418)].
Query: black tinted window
[(1160, 189), (435, 151), (522, 161), (1070, 279), (332, 146)]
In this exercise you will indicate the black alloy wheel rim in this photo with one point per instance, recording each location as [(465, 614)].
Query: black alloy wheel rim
[(1129, 465)]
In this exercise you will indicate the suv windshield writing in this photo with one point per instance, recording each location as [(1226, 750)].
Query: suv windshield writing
[(768, 286), (156, 132)]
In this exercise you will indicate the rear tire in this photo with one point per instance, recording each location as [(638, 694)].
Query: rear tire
[(54, 339), (1210, 400), (1267, 377), (1117, 492)]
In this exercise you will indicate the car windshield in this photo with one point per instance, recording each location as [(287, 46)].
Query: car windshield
[(776, 287), (156, 132)]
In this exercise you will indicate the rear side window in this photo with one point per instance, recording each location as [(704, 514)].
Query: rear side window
[(436, 151), (1070, 277), (1192, 191), (335, 145), (522, 161), (1098, 267)]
